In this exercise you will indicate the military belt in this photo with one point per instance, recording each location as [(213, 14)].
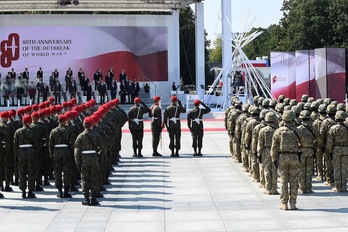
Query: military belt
[(25, 145), (88, 152), (61, 145)]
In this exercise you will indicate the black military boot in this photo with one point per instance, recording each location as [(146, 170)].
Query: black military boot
[(46, 182), (94, 200), (86, 201), (66, 192), (134, 152), (177, 153), (195, 151), (139, 153), (172, 154), (199, 152), (2, 195), (60, 194), (38, 188), (31, 194), (24, 194), (7, 187)]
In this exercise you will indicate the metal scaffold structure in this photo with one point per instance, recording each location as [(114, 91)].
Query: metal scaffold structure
[(94, 5), (253, 83)]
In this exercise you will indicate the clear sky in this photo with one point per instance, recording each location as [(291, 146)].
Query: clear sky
[(266, 12)]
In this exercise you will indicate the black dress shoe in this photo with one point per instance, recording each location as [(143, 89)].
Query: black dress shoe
[(8, 189), (140, 155), (38, 188), (94, 202), (31, 195), (85, 202), (67, 195), (156, 154)]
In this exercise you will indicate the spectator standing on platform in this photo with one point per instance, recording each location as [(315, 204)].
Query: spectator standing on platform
[(26, 75), (80, 76), (39, 74), (39, 87), (131, 90), (123, 92), (20, 93), (68, 81), (113, 89), (13, 74), (137, 88), (122, 76), (146, 88), (45, 92), (32, 92), (111, 71), (102, 91), (173, 87), (57, 92), (88, 91), (128, 93), (56, 73), (73, 89), (108, 80)]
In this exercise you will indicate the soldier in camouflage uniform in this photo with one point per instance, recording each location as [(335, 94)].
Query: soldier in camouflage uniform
[(336, 145), (254, 142), (23, 145), (156, 124), (285, 153), (247, 141), (307, 153), (238, 137), (232, 121), (195, 124), (319, 142), (86, 157), (324, 132), (61, 147), (171, 120), (136, 125), (263, 151)]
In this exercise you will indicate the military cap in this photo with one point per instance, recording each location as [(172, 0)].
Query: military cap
[(12, 113), (287, 101), (20, 111), (256, 98), (341, 106), (296, 109), (156, 98), (254, 110), (310, 99), (281, 98), (4, 114), (272, 103), (280, 107), (197, 102), (340, 115), (301, 105), (35, 114), (331, 109), (174, 98), (304, 98), (288, 115), (327, 101), (265, 102), (260, 100), (238, 104), (88, 120), (63, 117), (245, 107), (270, 117), (137, 100), (35, 107), (335, 103), (320, 101), (305, 114), (27, 119), (59, 108), (314, 105)]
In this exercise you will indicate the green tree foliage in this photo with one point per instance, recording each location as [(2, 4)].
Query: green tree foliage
[(216, 52)]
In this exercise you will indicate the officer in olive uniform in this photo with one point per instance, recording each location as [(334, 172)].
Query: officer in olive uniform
[(136, 125), (285, 154), (172, 122), (86, 157), (7, 155), (61, 147), (337, 144), (195, 124), (156, 124), (23, 145)]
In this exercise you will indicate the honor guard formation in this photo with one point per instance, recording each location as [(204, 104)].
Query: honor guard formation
[(292, 141), (69, 143)]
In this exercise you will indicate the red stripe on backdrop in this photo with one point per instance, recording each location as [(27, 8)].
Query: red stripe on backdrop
[(219, 129), (154, 66)]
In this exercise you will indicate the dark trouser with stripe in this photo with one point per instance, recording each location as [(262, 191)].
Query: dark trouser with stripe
[(174, 136)]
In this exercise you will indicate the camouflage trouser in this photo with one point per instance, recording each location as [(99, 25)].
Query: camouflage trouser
[(231, 143), (262, 175), (270, 171), (197, 138), (288, 171), (306, 170), (27, 168), (62, 163), (319, 159), (89, 173), (255, 167), (245, 157), (9, 165), (237, 150), (328, 167), (340, 165)]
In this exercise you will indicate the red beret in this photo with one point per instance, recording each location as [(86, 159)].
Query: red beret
[(27, 119), (68, 114), (27, 108), (75, 113), (197, 102), (4, 114), (117, 101), (47, 103), (174, 98), (42, 112), (35, 115), (65, 104), (73, 101), (35, 107), (42, 105), (51, 99), (47, 111), (63, 117), (20, 111), (89, 120), (12, 113), (137, 100), (156, 98), (58, 108)]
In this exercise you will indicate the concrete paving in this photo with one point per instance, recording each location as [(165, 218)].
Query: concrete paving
[(208, 193)]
